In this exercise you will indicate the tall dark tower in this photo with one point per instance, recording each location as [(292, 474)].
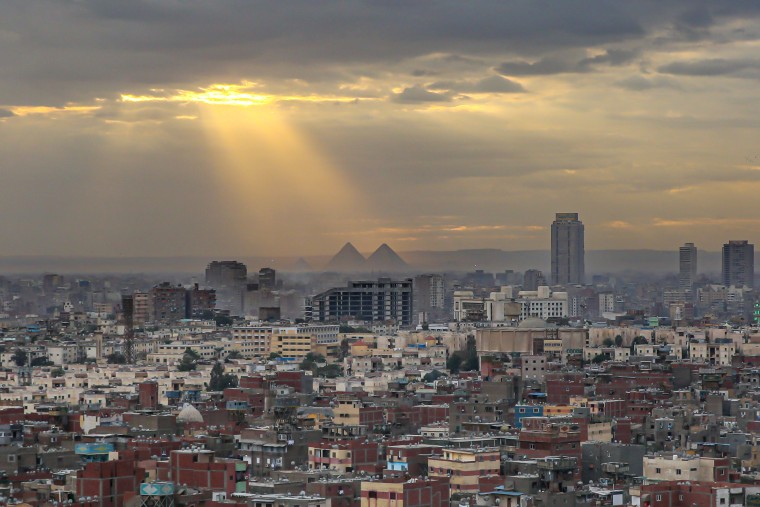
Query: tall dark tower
[(568, 250), (739, 263), (687, 266), (128, 311)]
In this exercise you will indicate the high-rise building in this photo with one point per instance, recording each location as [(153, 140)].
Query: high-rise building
[(220, 274), (568, 251), (687, 266), (267, 278), (168, 303), (371, 301), (199, 302), (739, 263), (429, 297), (533, 279), (229, 278)]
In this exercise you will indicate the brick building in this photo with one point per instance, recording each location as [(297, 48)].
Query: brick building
[(109, 481), (433, 492)]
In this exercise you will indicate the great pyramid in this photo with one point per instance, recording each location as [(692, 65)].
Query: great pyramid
[(385, 259), (348, 259)]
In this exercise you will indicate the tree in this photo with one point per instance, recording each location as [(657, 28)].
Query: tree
[(471, 361), (454, 362), (234, 355), (116, 358), (640, 340), (330, 371), (345, 348), (187, 363), (20, 357), (193, 354), (310, 362), (223, 321), (608, 342), (618, 341), (41, 361), (599, 358), (219, 380), (274, 355), (432, 376), (58, 372)]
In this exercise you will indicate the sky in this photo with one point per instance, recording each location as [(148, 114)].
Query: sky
[(230, 127)]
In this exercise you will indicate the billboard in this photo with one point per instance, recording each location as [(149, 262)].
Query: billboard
[(157, 489)]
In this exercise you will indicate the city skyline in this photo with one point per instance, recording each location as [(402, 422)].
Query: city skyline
[(165, 128)]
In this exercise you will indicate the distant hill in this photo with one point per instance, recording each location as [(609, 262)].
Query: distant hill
[(597, 261), (349, 260)]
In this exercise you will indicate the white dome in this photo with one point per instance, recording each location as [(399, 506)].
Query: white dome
[(189, 414)]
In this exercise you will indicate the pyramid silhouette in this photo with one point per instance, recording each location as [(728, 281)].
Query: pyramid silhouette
[(385, 259), (347, 259), (301, 265)]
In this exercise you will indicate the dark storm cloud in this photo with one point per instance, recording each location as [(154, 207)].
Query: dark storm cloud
[(709, 67), (558, 65), (642, 83), (491, 84), (418, 94), (62, 51)]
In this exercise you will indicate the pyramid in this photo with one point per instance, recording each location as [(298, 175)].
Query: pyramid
[(301, 265), (348, 259), (385, 259)]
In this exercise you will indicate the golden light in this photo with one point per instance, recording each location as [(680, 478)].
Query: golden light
[(275, 183)]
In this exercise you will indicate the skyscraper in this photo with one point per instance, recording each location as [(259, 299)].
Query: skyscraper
[(739, 263), (568, 251), (429, 301), (687, 266)]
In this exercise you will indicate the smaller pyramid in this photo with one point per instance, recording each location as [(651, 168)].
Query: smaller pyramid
[(301, 266), (347, 259), (385, 259)]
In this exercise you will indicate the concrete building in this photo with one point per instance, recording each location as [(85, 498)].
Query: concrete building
[(533, 279), (267, 278), (533, 367), (220, 274), (687, 266), (739, 263), (370, 301), (674, 467), (169, 303), (567, 250), (719, 354), (465, 467), (400, 492), (429, 302)]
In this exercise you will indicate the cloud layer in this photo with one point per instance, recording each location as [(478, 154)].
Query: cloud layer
[(191, 127)]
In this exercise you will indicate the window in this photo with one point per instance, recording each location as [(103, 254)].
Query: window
[(658, 498), (657, 470)]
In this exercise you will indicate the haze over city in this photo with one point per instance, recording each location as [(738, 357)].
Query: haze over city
[(171, 128)]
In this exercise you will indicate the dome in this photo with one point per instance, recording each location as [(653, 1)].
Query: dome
[(533, 323), (189, 414)]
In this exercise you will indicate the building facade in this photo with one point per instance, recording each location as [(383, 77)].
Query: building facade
[(568, 250), (370, 301), (739, 263), (687, 266)]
